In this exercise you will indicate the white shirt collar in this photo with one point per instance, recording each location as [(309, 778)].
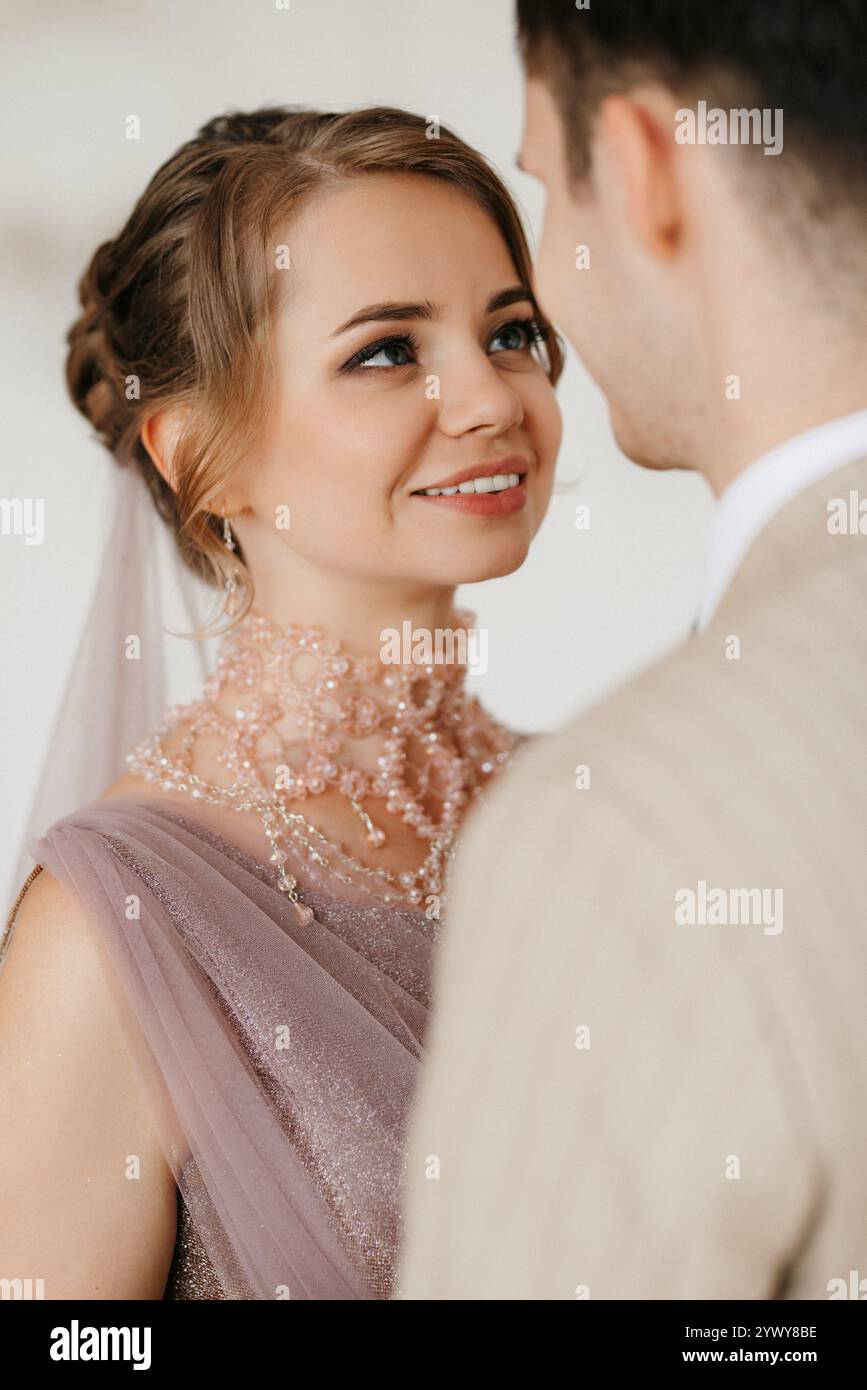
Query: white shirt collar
[(763, 489)]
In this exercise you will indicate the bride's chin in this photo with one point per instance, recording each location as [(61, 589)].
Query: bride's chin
[(473, 558), (494, 567)]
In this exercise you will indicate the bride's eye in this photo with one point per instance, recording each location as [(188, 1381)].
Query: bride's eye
[(394, 350), (521, 333)]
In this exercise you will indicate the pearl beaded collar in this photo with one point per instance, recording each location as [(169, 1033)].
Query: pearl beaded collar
[(283, 703)]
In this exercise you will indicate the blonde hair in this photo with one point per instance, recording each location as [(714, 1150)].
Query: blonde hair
[(176, 309)]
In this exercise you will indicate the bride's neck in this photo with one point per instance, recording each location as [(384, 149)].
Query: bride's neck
[(359, 613)]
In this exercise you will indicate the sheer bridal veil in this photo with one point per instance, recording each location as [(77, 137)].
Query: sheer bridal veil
[(127, 666)]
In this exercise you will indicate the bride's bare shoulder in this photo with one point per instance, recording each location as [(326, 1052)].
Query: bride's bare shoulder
[(66, 1077), (241, 828), (129, 784), (42, 897), (134, 784)]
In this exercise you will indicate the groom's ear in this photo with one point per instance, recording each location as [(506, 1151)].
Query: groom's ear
[(635, 175)]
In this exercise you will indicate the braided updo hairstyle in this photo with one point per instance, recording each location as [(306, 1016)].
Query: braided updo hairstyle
[(177, 308)]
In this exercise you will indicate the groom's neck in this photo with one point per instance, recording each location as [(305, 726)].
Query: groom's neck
[(797, 373), (779, 316)]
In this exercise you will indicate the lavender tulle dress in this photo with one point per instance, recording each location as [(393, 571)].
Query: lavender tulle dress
[(281, 1060)]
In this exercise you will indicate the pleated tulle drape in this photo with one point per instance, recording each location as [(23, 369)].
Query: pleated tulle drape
[(280, 1060)]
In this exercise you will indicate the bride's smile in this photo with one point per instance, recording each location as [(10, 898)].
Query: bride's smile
[(488, 489)]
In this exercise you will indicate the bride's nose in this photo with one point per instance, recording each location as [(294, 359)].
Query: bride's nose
[(474, 395)]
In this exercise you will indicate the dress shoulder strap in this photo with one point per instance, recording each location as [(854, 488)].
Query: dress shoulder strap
[(10, 920)]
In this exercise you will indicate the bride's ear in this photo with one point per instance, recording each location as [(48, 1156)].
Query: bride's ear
[(160, 434)]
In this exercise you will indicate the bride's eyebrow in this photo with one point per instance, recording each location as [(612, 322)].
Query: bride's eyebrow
[(378, 313)]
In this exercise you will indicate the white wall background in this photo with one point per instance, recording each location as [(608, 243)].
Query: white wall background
[(588, 608)]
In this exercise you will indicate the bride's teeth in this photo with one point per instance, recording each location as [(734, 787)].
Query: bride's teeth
[(498, 483)]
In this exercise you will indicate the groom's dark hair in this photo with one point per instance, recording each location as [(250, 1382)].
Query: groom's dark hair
[(807, 57)]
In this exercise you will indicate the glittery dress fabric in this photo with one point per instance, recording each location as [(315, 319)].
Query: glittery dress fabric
[(280, 1060)]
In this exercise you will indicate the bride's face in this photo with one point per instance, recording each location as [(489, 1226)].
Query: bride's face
[(396, 370)]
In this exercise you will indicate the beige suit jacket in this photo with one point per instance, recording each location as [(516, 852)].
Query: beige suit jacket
[(636, 1087)]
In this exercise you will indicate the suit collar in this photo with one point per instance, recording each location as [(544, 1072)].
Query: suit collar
[(817, 528)]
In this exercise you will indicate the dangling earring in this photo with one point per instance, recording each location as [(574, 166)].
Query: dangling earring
[(230, 584)]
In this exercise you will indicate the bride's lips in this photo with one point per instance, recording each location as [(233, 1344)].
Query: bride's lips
[(511, 499)]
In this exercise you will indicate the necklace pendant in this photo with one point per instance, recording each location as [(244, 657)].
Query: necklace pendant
[(289, 885), (302, 912)]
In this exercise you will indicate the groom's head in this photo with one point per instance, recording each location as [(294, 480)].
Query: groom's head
[(706, 171)]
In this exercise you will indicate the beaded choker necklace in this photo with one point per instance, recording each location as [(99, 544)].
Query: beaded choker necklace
[(281, 706)]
